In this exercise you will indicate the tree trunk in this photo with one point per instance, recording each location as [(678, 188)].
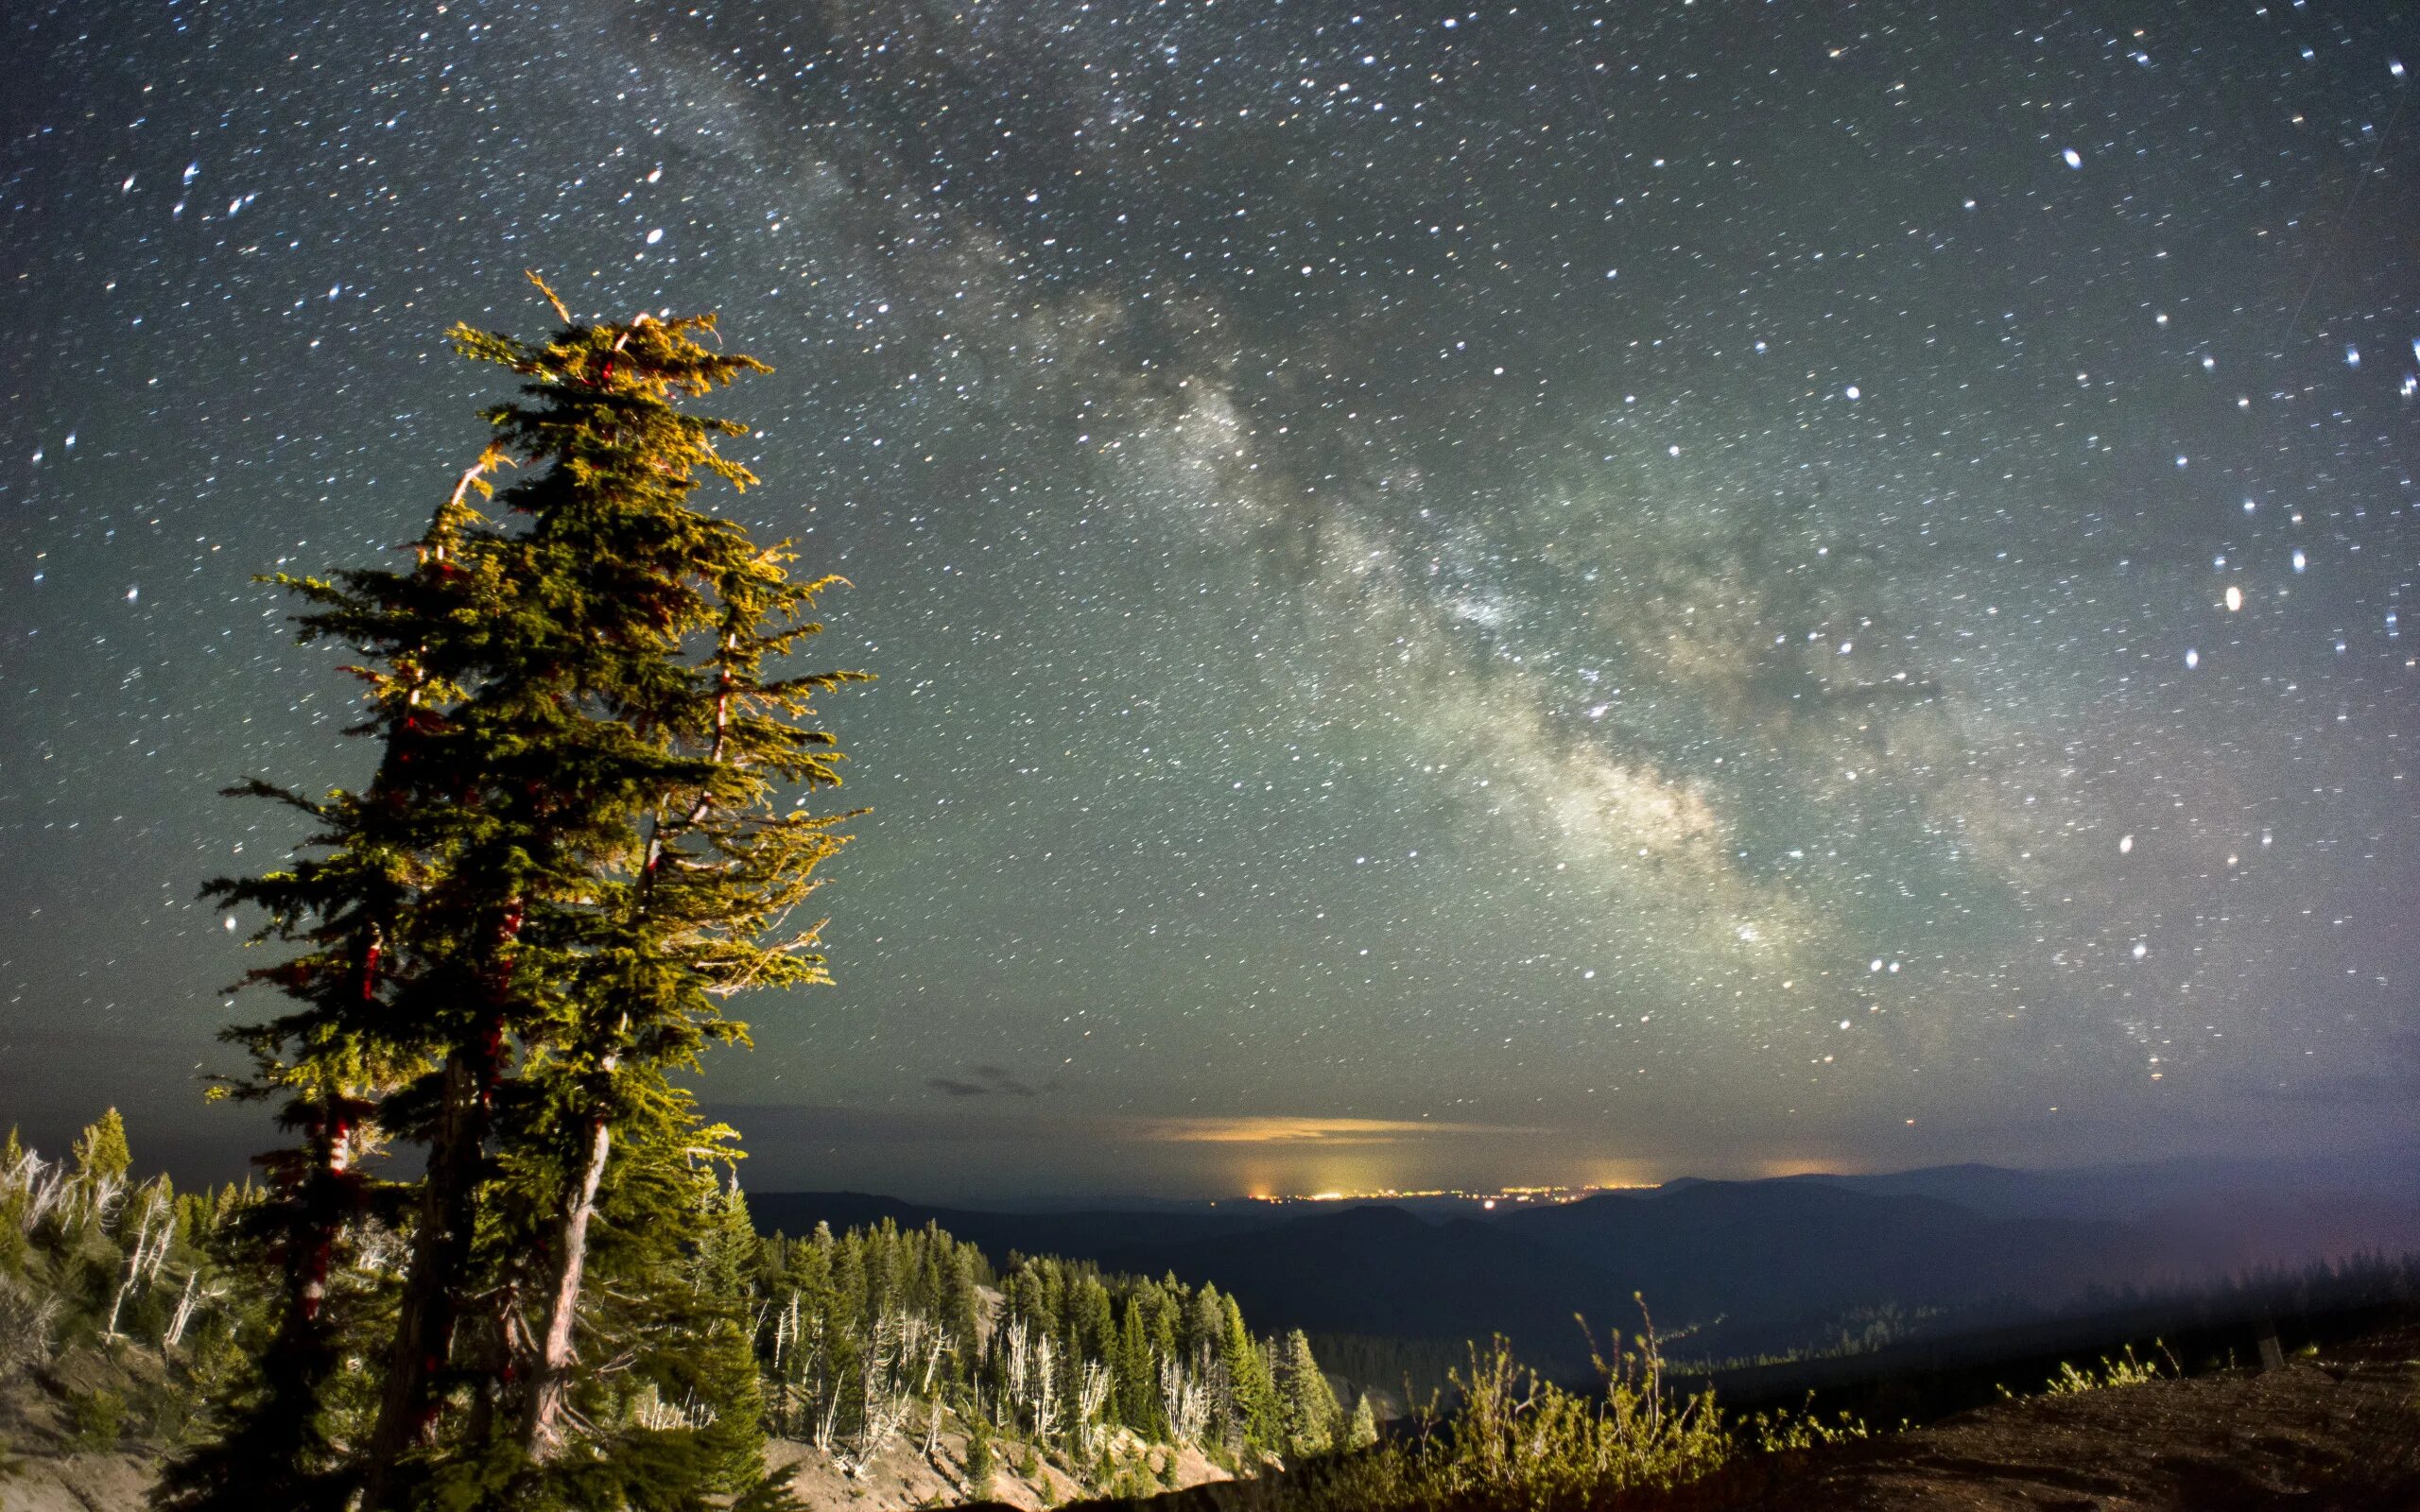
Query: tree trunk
[(540, 1426), (503, 1348), (431, 1300), (541, 1429)]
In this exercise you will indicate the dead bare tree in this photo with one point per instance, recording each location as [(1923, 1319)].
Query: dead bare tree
[(1045, 1403), (1091, 1391), (154, 1228), (932, 1431), (1019, 1360), (24, 1326), (825, 1426), (101, 1199), (660, 1416), (883, 1402), (44, 1185), (1185, 1398)]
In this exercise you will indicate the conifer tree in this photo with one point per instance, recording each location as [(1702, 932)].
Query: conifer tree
[(1137, 1374), (102, 1156), (1205, 1327), (1306, 1400), (1256, 1410), (962, 1299), (15, 1204), (981, 1457), (573, 850), (1362, 1431), (377, 899), (670, 742)]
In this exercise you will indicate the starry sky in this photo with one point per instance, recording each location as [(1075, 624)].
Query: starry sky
[(1549, 592)]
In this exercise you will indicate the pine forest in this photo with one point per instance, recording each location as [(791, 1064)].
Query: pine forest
[(148, 1305)]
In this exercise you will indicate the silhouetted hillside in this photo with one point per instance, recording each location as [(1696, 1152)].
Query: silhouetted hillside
[(2370, 1182), (1750, 1266), (1380, 1270), (1781, 1252)]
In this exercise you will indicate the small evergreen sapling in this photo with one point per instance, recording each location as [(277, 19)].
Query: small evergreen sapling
[(1362, 1431)]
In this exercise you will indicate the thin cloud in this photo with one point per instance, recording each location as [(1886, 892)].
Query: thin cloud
[(1275, 1130), (982, 1082)]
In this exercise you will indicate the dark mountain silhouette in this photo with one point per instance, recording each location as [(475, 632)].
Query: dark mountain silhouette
[(1772, 1262), (1776, 1258), (2387, 1175), (1380, 1270), (1744, 1266)]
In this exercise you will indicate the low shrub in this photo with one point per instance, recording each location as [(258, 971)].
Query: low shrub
[(96, 1420)]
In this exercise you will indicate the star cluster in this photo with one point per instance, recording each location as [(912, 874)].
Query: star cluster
[(1635, 586)]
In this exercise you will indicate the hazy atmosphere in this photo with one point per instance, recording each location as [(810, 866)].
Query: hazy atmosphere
[(1563, 594)]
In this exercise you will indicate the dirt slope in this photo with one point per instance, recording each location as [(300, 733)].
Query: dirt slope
[(2340, 1432)]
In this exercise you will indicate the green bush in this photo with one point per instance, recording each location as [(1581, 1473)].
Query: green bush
[(981, 1460), (1519, 1439), (2126, 1371), (1773, 1432), (2123, 1371), (96, 1420), (1516, 1442)]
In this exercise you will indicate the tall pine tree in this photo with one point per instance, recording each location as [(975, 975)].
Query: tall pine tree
[(1306, 1402), (371, 899), (581, 839)]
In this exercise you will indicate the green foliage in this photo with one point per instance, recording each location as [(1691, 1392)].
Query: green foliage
[(116, 1276), (26, 1321), (2125, 1370), (1308, 1403), (717, 1336), (1774, 1432), (1516, 1440), (102, 1158), (1257, 1419), (982, 1460), (97, 1420), (1362, 1431), (731, 1440)]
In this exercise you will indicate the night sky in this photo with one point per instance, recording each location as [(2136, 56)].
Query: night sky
[(1558, 592)]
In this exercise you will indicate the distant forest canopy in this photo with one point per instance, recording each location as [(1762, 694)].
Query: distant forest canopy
[(858, 1340)]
